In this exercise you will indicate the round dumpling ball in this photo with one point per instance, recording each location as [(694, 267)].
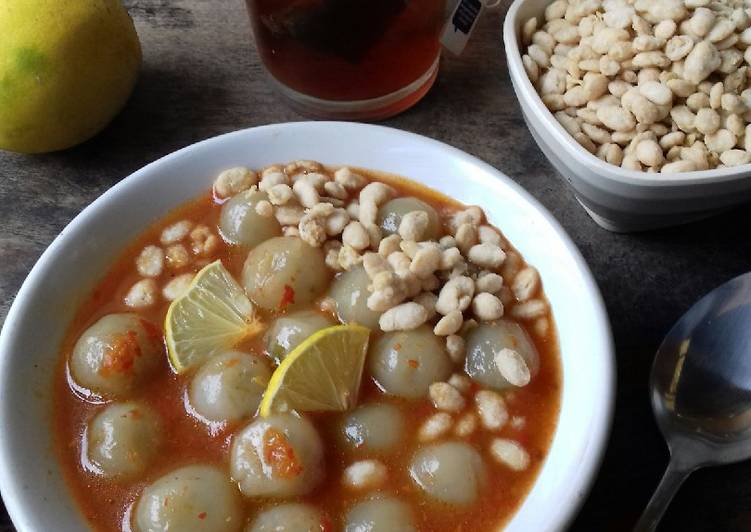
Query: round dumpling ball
[(116, 355), (229, 386), (277, 456), (241, 225), (290, 517), (123, 439), (483, 342), (390, 216), (374, 427), (196, 498), (287, 332), (350, 293), (405, 363), (381, 514), (285, 273), (451, 472)]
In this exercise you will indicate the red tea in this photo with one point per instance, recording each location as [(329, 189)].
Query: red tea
[(347, 50)]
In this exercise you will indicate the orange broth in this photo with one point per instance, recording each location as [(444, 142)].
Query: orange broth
[(106, 504)]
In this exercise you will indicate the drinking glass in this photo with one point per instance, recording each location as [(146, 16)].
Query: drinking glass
[(349, 59)]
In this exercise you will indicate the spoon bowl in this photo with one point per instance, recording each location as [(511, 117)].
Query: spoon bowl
[(701, 389)]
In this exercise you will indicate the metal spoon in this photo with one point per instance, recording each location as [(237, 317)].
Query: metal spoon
[(701, 389)]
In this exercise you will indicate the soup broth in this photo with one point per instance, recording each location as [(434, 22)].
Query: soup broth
[(186, 438)]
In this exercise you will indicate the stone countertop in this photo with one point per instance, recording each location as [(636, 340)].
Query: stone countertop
[(201, 77)]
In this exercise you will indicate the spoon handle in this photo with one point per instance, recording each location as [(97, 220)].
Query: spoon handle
[(666, 490)]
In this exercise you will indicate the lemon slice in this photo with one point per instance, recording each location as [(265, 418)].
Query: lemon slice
[(323, 373), (213, 315)]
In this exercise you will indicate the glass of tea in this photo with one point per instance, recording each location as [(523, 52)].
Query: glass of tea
[(349, 59)]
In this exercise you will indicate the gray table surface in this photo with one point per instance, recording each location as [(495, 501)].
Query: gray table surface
[(201, 77)]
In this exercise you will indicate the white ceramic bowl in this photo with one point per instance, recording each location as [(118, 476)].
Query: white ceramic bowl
[(617, 199), (30, 479)]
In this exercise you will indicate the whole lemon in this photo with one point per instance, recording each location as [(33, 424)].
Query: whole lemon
[(66, 69)]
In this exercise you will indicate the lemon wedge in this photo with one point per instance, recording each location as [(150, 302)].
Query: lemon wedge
[(323, 373), (213, 315)]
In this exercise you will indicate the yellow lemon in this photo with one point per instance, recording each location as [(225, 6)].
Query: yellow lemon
[(211, 317), (323, 373), (66, 69)]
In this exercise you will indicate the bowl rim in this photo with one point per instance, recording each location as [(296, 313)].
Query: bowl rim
[(528, 97), (11, 483)]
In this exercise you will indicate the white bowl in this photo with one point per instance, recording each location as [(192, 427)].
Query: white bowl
[(30, 480), (616, 198)]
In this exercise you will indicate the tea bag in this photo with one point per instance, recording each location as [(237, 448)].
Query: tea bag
[(459, 27), (347, 29)]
